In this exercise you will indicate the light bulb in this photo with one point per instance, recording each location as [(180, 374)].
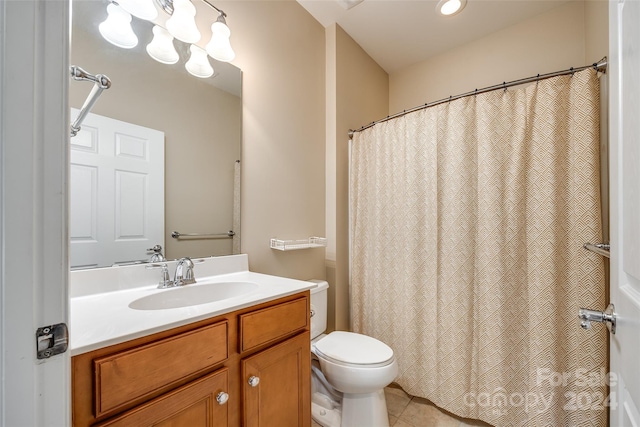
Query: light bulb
[(182, 24), (450, 7), (116, 29), (219, 47), (198, 64), (143, 9), (161, 47)]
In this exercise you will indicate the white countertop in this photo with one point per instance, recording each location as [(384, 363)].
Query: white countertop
[(101, 316)]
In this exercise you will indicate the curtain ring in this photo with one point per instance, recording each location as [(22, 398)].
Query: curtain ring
[(504, 85), (572, 72)]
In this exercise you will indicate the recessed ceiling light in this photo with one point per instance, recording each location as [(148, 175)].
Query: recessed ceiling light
[(450, 7)]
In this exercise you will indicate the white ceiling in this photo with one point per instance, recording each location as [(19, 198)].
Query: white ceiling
[(399, 33)]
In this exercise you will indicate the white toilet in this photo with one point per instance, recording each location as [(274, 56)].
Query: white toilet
[(349, 372)]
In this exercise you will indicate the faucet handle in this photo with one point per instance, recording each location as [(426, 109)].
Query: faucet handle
[(165, 280)]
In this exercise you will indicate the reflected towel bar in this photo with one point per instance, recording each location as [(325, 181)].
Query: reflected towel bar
[(600, 248), (228, 235), (100, 83)]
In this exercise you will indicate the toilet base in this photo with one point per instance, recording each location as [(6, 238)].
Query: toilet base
[(325, 417), (368, 409)]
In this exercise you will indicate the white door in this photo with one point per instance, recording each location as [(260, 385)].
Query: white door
[(624, 75), (116, 192), (34, 128)]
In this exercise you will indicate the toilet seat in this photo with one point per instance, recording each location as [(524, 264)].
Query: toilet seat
[(352, 349)]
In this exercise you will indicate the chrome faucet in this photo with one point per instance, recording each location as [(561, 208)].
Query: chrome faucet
[(184, 272)]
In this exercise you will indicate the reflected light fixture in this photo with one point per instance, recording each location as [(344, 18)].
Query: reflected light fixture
[(180, 25), (198, 63), (116, 29), (450, 7), (161, 47)]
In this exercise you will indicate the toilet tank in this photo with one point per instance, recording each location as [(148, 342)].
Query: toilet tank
[(318, 308)]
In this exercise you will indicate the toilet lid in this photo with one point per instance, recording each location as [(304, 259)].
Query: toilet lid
[(357, 349)]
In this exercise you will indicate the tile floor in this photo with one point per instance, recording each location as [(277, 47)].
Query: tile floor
[(408, 411)]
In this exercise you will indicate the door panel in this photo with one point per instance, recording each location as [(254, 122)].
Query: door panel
[(624, 34), (34, 118)]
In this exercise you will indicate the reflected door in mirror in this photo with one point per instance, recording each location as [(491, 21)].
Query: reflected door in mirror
[(116, 192)]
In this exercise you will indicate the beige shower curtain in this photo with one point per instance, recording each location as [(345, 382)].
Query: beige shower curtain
[(467, 221)]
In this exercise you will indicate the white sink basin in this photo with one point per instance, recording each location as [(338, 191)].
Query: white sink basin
[(195, 294)]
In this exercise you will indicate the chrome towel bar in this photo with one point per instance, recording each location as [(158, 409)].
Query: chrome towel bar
[(600, 248), (100, 83), (228, 235)]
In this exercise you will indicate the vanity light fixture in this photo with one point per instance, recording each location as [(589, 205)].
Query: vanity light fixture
[(116, 29), (450, 7), (219, 47), (198, 64), (181, 25)]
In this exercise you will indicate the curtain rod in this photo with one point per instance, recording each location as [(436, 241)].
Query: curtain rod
[(598, 66)]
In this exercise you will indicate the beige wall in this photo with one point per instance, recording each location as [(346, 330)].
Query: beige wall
[(596, 14), (357, 92), (571, 35), (201, 123), (280, 49)]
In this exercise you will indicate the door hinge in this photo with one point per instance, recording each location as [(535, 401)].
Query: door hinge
[(52, 340)]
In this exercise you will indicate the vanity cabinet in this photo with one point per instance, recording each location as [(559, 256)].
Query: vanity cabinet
[(275, 390), (275, 393), (250, 367)]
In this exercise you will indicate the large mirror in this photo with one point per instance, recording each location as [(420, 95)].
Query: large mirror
[(200, 119)]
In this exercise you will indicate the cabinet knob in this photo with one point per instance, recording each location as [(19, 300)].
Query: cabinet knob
[(254, 381), (222, 398)]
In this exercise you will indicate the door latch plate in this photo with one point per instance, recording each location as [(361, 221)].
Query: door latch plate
[(52, 340)]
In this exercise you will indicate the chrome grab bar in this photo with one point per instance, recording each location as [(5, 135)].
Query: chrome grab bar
[(228, 235)]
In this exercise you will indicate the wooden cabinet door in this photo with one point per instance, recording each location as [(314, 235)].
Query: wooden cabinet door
[(282, 395), (193, 405)]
